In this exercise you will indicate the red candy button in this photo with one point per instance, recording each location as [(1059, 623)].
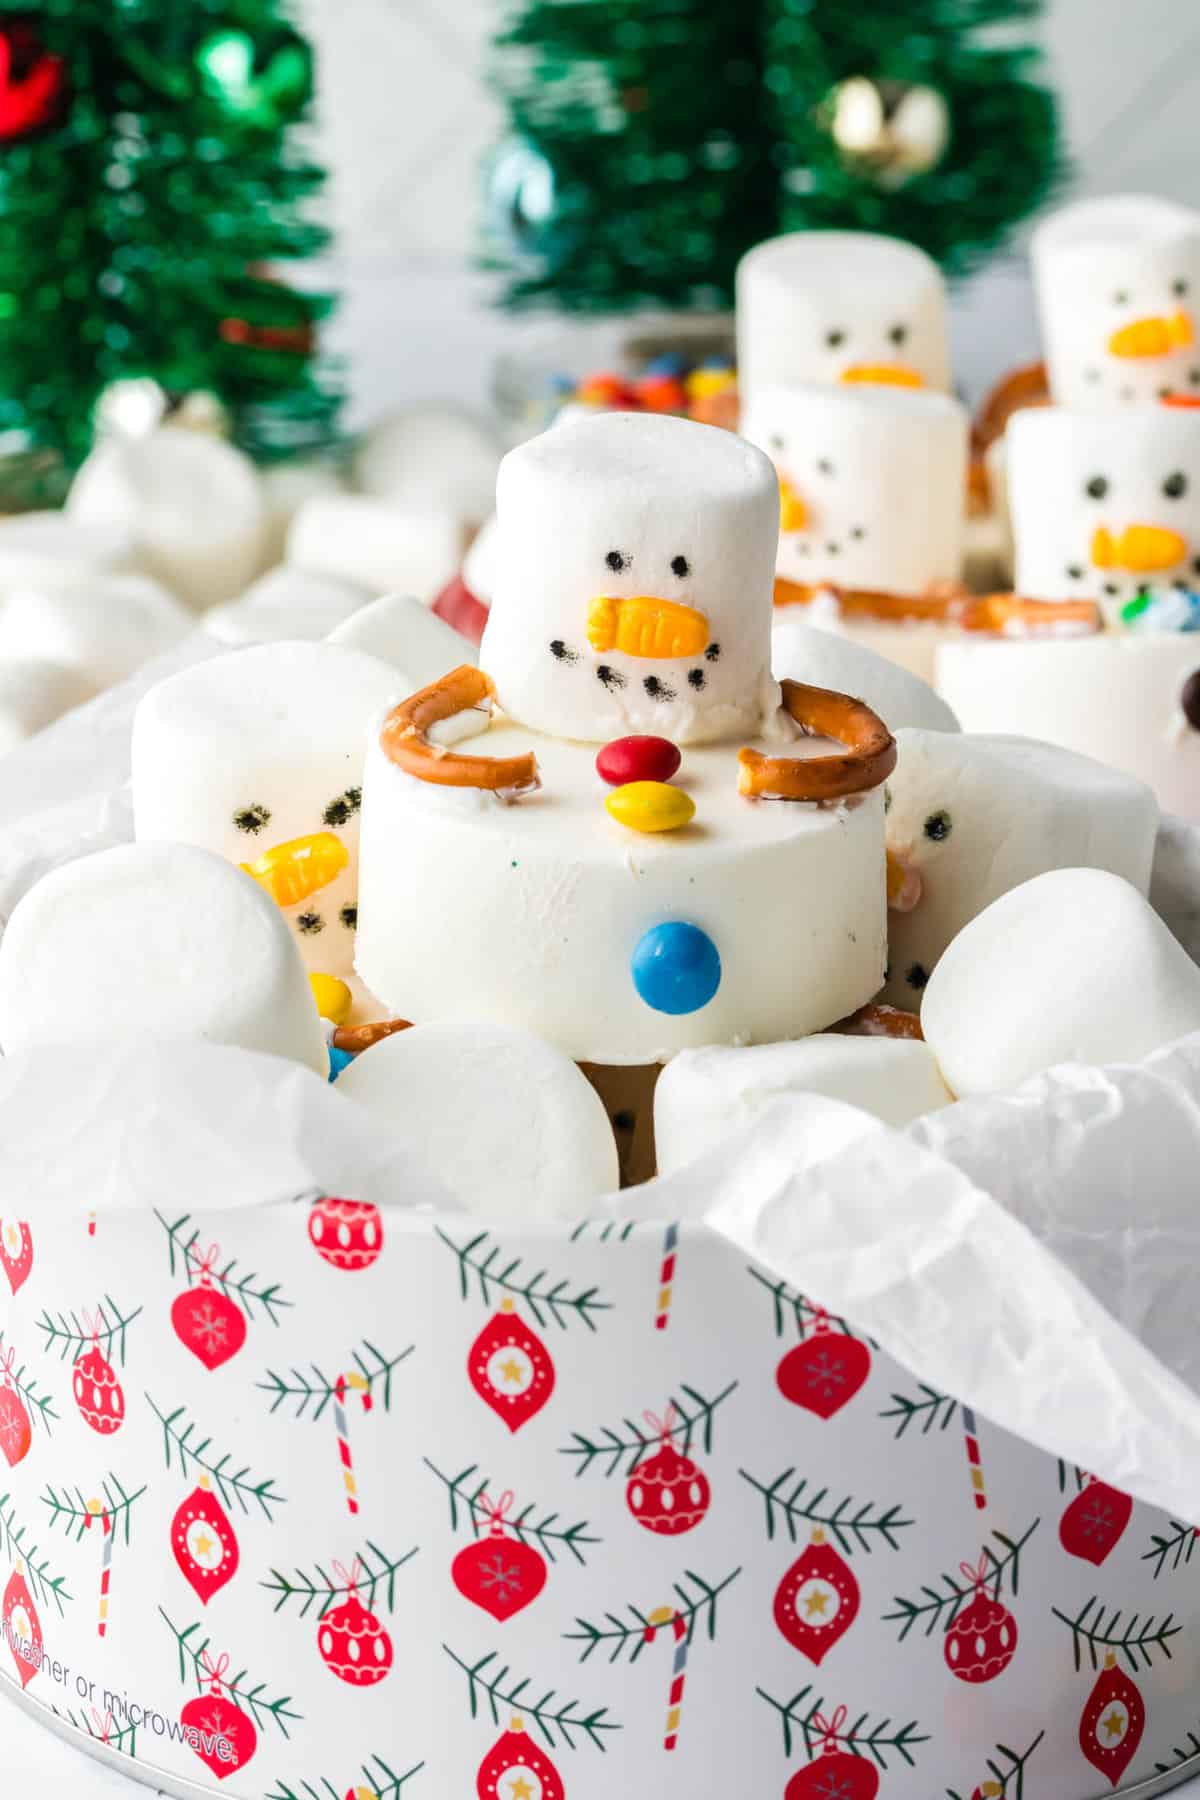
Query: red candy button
[(637, 759)]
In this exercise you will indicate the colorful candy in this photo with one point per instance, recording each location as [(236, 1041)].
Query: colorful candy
[(638, 759), (650, 806), (676, 968), (334, 999)]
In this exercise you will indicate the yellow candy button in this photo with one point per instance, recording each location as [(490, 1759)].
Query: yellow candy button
[(334, 999), (650, 806)]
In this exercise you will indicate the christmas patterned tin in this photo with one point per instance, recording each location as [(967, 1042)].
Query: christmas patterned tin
[(325, 1501)]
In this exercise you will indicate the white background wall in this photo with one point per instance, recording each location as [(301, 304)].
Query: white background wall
[(405, 117)]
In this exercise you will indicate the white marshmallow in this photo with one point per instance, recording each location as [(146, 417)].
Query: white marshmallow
[(102, 629), (803, 652), (973, 817), (481, 564), (1074, 966), (32, 695), (193, 505), (286, 486), (703, 1096), (286, 603), (501, 1117), (256, 752), (376, 544), (1103, 503), (400, 631), (154, 941), (830, 306), (431, 460), (1117, 283), (45, 549), (665, 520)]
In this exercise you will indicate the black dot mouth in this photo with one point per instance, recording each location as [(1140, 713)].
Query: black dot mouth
[(1075, 571), (712, 654), (657, 690), (917, 976), (608, 677), (562, 652), (252, 819), (343, 809), (858, 533), (697, 678)]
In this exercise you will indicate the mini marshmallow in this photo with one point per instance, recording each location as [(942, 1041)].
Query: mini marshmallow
[(286, 487), (481, 564), (1117, 281), (193, 504), (703, 1096), (154, 941), (431, 460), (634, 591), (803, 652), (1074, 966), (1104, 503), (376, 544), (402, 632), (840, 306), (286, 603), (971, 817), (44, 549), (32, 695), (502, 1117), (872, 484), (258, 757), (102, 628)]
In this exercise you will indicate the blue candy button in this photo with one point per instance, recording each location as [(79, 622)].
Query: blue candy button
[(339, 1060), (676, 968)]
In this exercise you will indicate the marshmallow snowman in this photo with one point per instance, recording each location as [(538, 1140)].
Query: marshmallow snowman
[(840, 306), (634, 591), (872, 484), (258, 756), (1104, 504), (1118, 283)]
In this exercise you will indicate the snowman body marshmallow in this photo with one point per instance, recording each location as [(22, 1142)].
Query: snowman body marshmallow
[(1117, 283)]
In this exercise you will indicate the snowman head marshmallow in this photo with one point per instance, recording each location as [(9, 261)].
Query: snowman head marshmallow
[(635, 564), (1104, 504), (840, 306), (872, 484), (1118, 285)]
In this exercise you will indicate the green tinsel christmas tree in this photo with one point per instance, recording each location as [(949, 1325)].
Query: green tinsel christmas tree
[(151, 200), (654, 141)]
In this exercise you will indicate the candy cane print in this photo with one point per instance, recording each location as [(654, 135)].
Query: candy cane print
[(361, 1386), (666, 1278), (96, 1510), (974, 1460), (666, 1615)]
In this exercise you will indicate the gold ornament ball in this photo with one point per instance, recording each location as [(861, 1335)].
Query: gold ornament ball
[(889, 130)]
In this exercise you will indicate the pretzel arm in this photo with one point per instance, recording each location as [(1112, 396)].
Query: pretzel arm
[(404, 738), (868, 760)]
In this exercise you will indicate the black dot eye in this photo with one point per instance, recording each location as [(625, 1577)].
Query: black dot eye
[(1121, 297), (680, 566), (340, 811), (1175, 486), (1075, 571), (887, 800), (617, 560), (898, 335), (1096, 487), (1196, 565), (824, 466), (777, 441), (562, 652), (349, 917), (1111, 589), (835, 339), (309, 923), (251, 819), (1179, 288), (857, 533), (713, 653), (696, 678), (938, 827), (917, 976)]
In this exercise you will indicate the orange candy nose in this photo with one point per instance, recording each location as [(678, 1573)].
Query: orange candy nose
[(293, 871), (1141, 549), (1155, 336), (884, 374), (793, 513), (644, 625), (903, 884)]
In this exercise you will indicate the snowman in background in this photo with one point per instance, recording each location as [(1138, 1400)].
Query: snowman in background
[(1118, 283)]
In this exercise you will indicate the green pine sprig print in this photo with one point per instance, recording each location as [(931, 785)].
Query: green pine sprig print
[(76, 1515), (40, 1407), (66, 1332), (485, 1266), (245, 1289), (1181, 1753), (794, 1311), (860, 1737), (1095, 1631), (191, 1644), (607, 1231), (1007, 1770), (375, 1581), (624, 1634), (114, 1737), (939, 1605), (791, 1505), (380, 1779), (493, 1688), (1070, 1476), (930, 1411), (46, 1587), (466, 1492), (621, 1449), (1171, 1549), (307, 1393), (185, 1444)]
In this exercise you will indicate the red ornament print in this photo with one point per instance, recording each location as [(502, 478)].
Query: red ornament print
[(825, 1371), (220, 1733), (516, 1769), (16, 1432), (204, 1543), (347, 1234), (510, 1368), (982, 1640), (22, 1628), (98, 1394), (27, 99), (817, 1601), (500, 1574), (207, 1322), (353, 1643), (668, 1493), (1093, 1523), (16, 1252), (1112, 1722), (837, 1774)]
